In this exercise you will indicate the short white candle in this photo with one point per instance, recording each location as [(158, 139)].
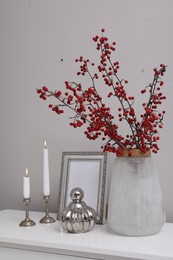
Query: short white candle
[(46, 181), (26, 186)]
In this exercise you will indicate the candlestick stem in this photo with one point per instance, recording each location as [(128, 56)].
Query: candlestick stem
[(27, 222), (47, 219)]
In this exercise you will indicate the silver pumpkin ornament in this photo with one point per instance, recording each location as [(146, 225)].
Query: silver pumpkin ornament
[(77, 217)]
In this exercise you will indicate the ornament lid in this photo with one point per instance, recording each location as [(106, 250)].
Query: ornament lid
[(76, 195)]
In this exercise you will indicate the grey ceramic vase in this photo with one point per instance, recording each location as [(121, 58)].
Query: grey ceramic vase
[(77, 217), (135, 203)]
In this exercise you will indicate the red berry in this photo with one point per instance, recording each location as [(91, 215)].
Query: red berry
[(45, 88)]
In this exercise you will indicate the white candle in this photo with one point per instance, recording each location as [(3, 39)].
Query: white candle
[(26, 186), (46, 181)]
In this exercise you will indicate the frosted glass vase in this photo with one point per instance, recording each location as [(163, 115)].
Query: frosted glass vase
[(135, 202)]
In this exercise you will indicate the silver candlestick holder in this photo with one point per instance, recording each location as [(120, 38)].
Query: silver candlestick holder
[(27, 222), (47, 219)]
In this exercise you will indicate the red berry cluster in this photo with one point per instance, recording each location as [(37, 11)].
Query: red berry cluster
[(88, 105)]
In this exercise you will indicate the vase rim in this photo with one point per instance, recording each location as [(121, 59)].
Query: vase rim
[(134, 153)]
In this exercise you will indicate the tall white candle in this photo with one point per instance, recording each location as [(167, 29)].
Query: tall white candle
[(26, 186), (46, 181)]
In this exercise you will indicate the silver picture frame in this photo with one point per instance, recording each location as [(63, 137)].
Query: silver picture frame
[(86, 170)]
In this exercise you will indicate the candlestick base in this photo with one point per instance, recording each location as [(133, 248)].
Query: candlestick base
[(47, 219), (27, 222)]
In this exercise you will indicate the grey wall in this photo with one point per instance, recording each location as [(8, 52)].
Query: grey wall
[(34, 36)]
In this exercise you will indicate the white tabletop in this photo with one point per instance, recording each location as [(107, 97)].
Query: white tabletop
[(99, 242)]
